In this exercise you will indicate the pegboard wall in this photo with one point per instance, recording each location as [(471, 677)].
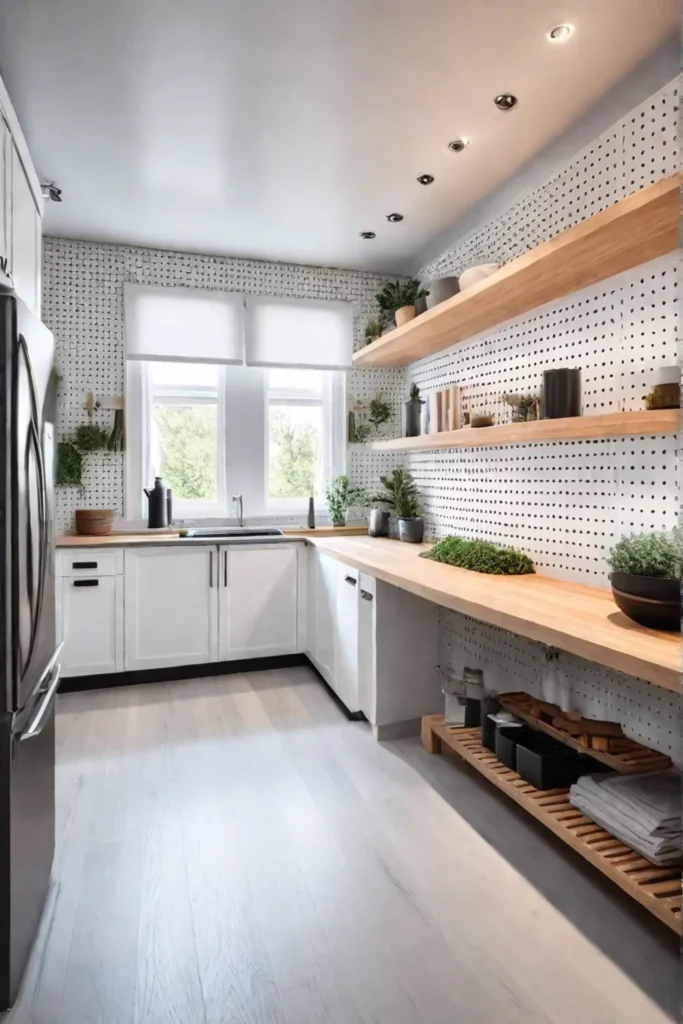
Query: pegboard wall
[(565, 503), (83, 306)]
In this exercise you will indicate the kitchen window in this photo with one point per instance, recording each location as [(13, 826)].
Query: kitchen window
[(213, 429)]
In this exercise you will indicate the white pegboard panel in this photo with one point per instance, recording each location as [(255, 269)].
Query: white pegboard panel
[(647, 713), (83, 305), (637, 151)]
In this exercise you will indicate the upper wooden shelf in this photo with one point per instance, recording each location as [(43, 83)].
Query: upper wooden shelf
[(637, 229), (575, 428)]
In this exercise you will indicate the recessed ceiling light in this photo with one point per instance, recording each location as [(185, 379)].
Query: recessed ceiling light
[(394, 218), (368, 234), (560, 34), (426, 179), (506, 101), (457, 145)]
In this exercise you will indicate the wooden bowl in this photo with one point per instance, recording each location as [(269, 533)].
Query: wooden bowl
[(94, 522), (481, 421)]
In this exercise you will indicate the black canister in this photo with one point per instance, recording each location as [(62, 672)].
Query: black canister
[(561, 395), (169, 506), (158, 505)]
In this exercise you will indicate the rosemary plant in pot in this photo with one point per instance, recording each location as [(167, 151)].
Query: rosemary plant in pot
[(341, 495), (646, 578), (401, 496)]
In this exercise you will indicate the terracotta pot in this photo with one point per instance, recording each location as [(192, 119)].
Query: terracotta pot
[(94, 522), (404, 314)]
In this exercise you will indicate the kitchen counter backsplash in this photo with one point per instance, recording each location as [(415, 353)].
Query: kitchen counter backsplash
[(83, 306)]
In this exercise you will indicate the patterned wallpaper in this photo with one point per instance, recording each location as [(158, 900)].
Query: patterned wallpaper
[(83, 306)]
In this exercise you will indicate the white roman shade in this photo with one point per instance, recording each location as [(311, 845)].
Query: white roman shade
[(183, 324), (299, 332)]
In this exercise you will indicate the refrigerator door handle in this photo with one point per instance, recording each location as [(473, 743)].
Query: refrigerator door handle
[(39, 719)]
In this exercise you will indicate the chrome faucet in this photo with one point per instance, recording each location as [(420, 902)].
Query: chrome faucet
[(237, 500)]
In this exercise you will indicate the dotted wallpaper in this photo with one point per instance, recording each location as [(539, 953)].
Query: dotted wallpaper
[(83, 306)]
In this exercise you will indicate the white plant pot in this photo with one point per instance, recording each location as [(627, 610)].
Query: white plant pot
[(473, 275)]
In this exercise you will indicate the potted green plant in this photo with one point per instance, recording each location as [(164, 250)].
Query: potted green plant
[(402, 497), (397, 300), (380, 411), (373, 331), (341, 495), (414, 412), (646, 578)]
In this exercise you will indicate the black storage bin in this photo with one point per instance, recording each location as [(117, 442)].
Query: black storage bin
[(547, 764), (489, 706), (507, 737)]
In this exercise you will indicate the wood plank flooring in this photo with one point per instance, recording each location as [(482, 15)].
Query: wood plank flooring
[(234, 851)]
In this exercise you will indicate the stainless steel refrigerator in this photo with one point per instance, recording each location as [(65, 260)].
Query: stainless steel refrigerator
[(28, 649)]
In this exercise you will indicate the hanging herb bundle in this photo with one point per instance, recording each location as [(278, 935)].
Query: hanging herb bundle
[(69, 465), (89, 437), (117, 438)]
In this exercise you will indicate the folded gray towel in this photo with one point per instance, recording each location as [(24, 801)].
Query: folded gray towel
[(654, 798)]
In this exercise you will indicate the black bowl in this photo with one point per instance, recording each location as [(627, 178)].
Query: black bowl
[(648, 600)]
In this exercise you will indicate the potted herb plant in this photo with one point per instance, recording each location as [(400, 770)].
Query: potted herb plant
[(414, 412), (646, 578), (373, 331), (341, 495), (397, 299), (401, 496)]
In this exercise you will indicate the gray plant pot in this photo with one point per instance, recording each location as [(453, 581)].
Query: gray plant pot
[(378, 525), (440, 289), (412, 530)]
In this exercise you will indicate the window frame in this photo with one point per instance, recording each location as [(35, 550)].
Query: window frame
[(140, 398)]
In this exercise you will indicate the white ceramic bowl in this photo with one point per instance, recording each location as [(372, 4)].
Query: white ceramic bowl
[(473, 275)]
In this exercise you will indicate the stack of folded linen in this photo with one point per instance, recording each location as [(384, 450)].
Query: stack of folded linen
[(643, 811)]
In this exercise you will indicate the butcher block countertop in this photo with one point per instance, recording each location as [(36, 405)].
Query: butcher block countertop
[(582, 620), (170, 537)]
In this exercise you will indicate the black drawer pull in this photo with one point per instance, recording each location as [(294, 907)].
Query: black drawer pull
[(86, 583), (366, 595), (84, 565), (350, 579)]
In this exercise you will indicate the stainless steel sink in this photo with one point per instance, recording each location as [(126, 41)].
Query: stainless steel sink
[(233, 531)]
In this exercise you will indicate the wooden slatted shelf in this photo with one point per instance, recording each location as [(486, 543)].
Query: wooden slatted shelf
[(657, 889), (634, 758), (637, 229), (575, 428)]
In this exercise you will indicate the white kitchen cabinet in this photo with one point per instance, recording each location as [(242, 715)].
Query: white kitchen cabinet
[(367, 649), (258, 602), (26, 236), (5, 192), (327, 575), (346, 681), (171, 606), (91, 619)]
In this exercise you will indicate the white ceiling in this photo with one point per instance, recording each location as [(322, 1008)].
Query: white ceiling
[(280, 129)]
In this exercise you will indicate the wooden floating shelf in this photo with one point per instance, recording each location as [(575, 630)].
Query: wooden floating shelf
[(575, 428), (634, 230), (656, 889)]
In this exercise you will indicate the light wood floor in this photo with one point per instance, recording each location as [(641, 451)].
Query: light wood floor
[(234, 851)]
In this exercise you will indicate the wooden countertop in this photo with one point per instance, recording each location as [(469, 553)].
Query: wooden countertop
[(582, 620), (75, 540)]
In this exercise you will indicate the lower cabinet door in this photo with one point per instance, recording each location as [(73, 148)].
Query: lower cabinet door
[(258, 600), (171, 608), (346, 683), (91, 625)]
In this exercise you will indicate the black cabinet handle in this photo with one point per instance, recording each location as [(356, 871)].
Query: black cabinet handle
[(86, 583), (366, 595), (350, 579), (84, 565)]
